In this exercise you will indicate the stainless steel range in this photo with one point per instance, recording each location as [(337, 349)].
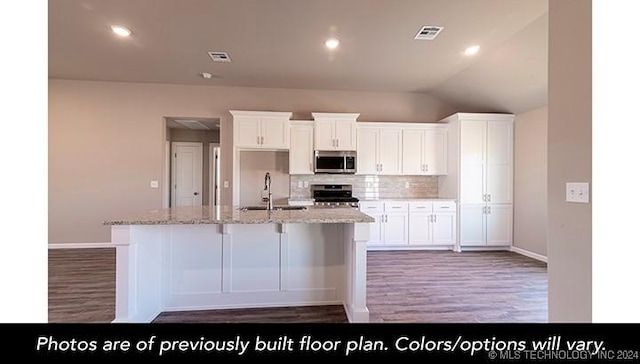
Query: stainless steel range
[(333, 196)]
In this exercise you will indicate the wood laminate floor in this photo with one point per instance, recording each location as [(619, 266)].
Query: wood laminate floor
[(417, 286)]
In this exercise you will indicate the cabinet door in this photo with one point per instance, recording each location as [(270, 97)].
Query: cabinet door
[(412, 152), (472, 159), (376, 237), (275, 133), (324, 135), (444, 228), (345, 134), (367, 160), (247, 132), (419, 228), (499, 224), (472, 225), (390, 151), (499, 161), (395, 229), (435, 151), (301, 150)]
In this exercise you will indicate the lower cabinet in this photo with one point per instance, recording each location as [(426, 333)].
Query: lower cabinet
[(392, 222), (406, 225)]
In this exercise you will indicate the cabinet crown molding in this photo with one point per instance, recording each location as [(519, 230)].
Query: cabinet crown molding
[(335, 116), (240, 113)]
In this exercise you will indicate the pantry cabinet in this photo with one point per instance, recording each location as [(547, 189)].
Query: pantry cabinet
[(481, 158)]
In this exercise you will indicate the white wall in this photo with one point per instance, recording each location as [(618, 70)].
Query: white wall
[(530, 181), (569, 160)]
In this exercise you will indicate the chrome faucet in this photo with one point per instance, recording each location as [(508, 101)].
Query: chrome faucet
[(267, 187)]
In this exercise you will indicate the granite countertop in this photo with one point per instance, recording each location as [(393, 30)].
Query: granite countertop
[(233, 215)]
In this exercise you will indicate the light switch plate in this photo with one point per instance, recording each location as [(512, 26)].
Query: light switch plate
[(225, 184), (578, 192), (154, 184)]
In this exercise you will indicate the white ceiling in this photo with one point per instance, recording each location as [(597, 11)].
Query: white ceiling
[(279, 43)]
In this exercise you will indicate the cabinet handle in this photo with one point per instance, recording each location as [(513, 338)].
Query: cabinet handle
[(420, 207), (435, 218), (380, 167), (489, 198), (261, 140), (386, 218), (337, 142), (426, 168), (484, 209), (484, 198), (488, 209), (258, 142)]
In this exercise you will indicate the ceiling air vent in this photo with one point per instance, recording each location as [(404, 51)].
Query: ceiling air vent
[(219, 56), (192, 124), (428, 32)]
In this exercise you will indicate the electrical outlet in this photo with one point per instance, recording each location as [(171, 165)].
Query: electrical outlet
[(306, 184), (577, 192), (154, 184), (225, 184), (299, 184), (406, 185)]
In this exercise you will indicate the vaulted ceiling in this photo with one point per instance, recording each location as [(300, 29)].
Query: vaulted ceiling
[(280, 44)]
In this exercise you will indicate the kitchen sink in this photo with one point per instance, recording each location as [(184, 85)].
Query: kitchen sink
[(281, 208)]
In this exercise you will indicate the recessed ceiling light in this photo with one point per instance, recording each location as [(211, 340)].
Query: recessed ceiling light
[(120, 30), (206, 75), (470, 51), (332, 43)]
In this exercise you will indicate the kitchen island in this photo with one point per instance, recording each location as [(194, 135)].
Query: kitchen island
[(214, 257)]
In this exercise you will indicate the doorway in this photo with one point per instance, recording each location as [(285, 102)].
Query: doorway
[(192, 162)]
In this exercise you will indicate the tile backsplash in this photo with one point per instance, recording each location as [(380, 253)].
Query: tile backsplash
[(365, 187)]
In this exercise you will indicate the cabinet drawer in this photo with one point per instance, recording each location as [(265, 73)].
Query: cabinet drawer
[(396, 206), (371, 206), (449, 206), (421, 206)]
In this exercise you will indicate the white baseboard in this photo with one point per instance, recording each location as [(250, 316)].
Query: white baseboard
[(81, 245), (529, 254)]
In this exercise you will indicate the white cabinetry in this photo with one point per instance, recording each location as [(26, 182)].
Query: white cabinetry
[(379, 150), (391, 225), (432, 223), (481, 176), (424, 150), (335, 131), (261, 129), (301, 150)]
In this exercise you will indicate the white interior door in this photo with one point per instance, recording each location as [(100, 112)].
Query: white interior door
[(186, 174)]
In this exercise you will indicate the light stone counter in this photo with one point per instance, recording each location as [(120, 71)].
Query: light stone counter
[(233, 215)]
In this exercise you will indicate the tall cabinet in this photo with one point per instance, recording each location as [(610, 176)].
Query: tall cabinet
[(480, 167)]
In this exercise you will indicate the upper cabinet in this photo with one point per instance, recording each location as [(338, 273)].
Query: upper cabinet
[(379, 149), (261, 129), (301, 151), (424, 150), (335, 131)]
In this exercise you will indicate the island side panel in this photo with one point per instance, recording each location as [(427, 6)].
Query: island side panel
[(356, 237), (138, 272)]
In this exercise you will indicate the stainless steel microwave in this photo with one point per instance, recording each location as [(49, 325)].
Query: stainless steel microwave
[(335, 162)]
